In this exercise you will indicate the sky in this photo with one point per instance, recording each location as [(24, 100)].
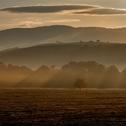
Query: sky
[(95, 13)]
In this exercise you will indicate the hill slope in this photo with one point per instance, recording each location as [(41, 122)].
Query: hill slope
[(22, 37), (61, 53)]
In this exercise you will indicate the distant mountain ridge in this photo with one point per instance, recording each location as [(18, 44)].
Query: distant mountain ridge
[(24, 37)]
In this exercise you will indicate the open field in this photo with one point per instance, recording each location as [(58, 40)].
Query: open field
[(46, 107)]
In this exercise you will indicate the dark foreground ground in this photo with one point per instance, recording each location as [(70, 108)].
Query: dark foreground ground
[(41, 107)]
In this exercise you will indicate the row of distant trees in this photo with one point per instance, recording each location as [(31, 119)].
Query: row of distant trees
[(89, 75), (72, 75)]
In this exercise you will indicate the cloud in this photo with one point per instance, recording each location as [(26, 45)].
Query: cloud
[(102, 11), (47, 9), (64, 20), (91, 16), (29, 24), (76, 9)]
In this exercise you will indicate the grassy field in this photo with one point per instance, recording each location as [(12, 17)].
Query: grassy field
[(46, 107)]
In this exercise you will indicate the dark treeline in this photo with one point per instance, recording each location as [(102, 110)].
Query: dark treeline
[(72, 75), (12, 74), (88, 75)]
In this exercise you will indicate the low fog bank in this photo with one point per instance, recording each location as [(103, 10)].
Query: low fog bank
[(71, 75)]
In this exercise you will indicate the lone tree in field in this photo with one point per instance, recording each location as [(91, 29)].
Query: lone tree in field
[(80, 83)]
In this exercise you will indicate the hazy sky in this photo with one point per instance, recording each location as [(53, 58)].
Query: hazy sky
[(107, 14)]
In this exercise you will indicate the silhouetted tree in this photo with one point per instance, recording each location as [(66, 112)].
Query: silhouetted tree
[(123, 79), (80, 83), (98, 41)]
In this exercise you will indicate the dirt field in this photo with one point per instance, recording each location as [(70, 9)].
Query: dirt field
[(39, 107)]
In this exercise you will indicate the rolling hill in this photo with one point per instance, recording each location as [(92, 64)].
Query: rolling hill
[(24, 37), (60, 53)]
